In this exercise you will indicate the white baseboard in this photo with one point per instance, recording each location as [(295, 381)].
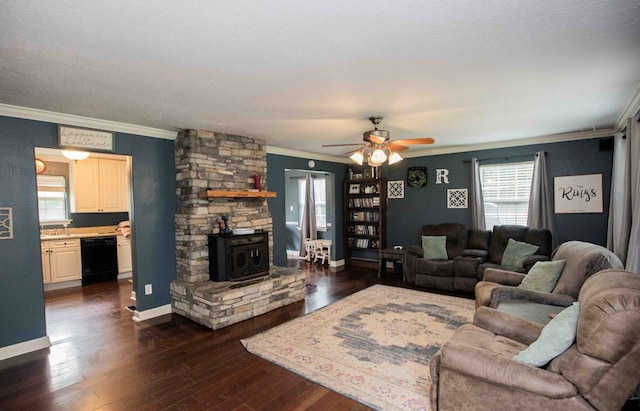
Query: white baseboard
[(24, 347), (152, 313), (337, 263), (125, 274), (64, 284)]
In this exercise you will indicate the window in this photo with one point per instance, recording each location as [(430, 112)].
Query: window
[(505, 191), (320, 197), (52, 198)]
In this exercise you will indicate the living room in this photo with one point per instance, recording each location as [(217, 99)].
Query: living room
[(574, 149)]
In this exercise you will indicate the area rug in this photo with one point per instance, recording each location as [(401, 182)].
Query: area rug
[(373, 346)]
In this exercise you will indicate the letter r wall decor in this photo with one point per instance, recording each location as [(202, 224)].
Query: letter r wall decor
[(578, 194)]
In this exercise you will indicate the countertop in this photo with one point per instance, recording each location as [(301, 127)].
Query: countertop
[(78, 235)]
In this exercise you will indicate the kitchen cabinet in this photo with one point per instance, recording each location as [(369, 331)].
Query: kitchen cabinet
[(124, 254), (61, 260), (101, 186)]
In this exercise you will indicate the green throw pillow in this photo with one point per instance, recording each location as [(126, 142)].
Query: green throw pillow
[(516, 252), (556, 337), (434, 247), (543, 276)]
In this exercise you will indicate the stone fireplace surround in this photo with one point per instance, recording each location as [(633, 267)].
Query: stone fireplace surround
[(218, 161)]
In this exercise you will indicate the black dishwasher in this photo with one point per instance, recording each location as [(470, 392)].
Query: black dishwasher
[(99, 259)]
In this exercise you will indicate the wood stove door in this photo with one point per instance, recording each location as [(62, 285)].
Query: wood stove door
[(247, 260)]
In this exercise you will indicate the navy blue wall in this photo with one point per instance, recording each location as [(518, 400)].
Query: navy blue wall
[(276, 165), (428, 205), (21, 294)]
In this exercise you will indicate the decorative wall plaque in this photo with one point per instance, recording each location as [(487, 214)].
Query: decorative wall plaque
[(457, 198), (77, 137), (6, 223), (578, 194), (395, 189)]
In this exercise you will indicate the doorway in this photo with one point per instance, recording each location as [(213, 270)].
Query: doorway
[(78, 199), (323, 185)]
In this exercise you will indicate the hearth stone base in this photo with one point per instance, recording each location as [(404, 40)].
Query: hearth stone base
[(219, 304)]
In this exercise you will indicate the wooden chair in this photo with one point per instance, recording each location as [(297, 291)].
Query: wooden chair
[(322, 251)]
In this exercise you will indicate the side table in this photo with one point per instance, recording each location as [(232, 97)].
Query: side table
[(391, 254)]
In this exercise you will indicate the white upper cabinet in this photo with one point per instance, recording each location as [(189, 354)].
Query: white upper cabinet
[(101, 186)]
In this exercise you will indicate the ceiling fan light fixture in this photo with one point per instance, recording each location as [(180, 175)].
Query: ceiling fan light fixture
[(75, 154), (394, 158), (377, 157), (357, 157)]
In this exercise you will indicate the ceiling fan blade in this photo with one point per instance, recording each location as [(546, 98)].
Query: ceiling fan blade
[(393, 146), (375, 139), (410, 141), (341, 145)]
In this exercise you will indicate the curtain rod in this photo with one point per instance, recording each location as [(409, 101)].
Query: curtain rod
[(506, 157)]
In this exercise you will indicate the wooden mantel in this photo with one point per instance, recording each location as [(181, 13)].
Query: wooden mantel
[(236, 194)]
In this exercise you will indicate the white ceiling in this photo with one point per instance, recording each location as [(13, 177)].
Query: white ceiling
[(300, 74)]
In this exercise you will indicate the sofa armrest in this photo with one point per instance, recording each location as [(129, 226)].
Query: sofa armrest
[(503, 277), (500, 323), (493, 368), (415, 249), (473, 252), (529, 261), (500, 294)]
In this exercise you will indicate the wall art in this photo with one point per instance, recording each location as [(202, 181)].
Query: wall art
[(78, 137), (395, 189), (457, 198), (6, 223), (578, 194)]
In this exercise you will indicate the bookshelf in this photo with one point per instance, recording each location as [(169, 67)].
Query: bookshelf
[(365, 218)]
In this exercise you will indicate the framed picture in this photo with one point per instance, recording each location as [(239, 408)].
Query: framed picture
[(354, 189), (578, 194), (85, 138), (367, 173)]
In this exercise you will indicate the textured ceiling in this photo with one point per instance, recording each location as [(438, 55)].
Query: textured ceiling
[(300, 74)]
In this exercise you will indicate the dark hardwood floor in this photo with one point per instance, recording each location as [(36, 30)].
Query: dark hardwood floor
[(102, 360)]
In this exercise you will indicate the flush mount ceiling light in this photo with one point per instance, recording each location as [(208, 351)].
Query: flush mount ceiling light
[(75, 154), (378, 148)]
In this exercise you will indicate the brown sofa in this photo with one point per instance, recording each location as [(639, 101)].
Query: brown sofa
[(466, 248), (475, 371), (470, 251), (582, 260)]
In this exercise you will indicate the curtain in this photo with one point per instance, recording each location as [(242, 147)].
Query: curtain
[(633, 252), (308, 225), (477, 203), (540, 214), (619, 225)]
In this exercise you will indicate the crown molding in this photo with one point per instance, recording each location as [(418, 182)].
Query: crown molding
[(555, 138), (304, 154), (632, 108), (80, 121)]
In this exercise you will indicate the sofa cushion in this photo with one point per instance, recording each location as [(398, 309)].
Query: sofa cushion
[(543, 276), (556, 337), (440, 268), (434, 247), (516, 251)]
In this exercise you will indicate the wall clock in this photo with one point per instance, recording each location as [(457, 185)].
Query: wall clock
[(417, 177), (40, 166)]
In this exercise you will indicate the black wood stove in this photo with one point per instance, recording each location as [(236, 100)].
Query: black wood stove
[(238, 256)]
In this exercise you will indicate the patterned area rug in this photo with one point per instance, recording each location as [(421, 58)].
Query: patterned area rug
[(373, 346)]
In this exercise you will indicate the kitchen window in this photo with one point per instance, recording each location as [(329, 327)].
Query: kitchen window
[(53, 204), (505, 191)]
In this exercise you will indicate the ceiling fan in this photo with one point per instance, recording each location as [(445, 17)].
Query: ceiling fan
[(378, 147)]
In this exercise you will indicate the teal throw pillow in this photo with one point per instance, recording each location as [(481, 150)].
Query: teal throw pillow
[(434, 247), (556, 337), (543, 276), (516, 252)]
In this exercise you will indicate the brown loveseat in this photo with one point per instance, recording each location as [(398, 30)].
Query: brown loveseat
[(475, 371), (466, 248), (500, 236), (582, 261)]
